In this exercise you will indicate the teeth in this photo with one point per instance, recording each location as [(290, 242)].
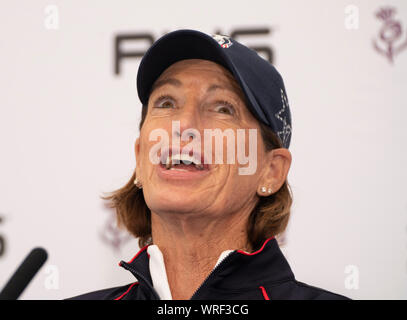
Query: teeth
[(184, 158), (168, 163)]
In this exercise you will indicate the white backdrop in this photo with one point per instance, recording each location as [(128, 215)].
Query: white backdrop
[(68, 126)]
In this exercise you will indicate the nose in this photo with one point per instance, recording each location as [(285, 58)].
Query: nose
[(187, 133), (188, 123)]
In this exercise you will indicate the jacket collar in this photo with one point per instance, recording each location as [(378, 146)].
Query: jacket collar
[(242, 270), (238, 271), (139, 267)]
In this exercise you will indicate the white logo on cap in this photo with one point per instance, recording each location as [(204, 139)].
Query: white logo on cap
[(285, 133), (224, 41)]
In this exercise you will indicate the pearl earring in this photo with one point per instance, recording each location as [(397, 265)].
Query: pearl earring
[(138, 183), (263, 189)]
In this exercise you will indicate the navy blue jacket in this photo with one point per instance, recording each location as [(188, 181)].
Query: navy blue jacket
[(261, 275)]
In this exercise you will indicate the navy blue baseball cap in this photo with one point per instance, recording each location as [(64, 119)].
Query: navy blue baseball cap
[(261, 83)]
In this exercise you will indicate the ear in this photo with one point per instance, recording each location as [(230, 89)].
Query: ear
[(276, 166)]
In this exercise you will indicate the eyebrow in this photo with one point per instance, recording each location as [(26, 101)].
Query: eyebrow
[(218, 87), (163, 82)]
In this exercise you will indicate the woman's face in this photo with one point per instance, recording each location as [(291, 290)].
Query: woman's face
[(200, 95)]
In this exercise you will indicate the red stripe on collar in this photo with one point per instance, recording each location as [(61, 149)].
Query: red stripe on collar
[(258, 251), (127, 291), (138, 253)]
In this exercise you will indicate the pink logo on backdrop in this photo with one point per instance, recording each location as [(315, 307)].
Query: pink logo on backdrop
[(112, 236), (390, 39)]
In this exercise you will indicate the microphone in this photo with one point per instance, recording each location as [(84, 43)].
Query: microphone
[(23, 275)]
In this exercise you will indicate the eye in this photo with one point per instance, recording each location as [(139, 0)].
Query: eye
[(224, 107), (164, 102)]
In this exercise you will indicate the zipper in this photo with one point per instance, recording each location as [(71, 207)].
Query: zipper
[(139, 276), (211, 273)]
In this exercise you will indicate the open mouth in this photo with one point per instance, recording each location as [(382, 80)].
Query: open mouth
[(182, 161)]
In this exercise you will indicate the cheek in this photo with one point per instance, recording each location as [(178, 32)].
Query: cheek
[(246, 175), (143, 161), (238, 191), (153, 136)]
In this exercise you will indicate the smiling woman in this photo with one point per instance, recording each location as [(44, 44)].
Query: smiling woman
[(270, 217), (207, 228)]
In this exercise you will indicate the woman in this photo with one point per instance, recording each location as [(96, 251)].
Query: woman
[(207, 216)]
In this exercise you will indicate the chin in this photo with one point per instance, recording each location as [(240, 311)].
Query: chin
[(176, 202)]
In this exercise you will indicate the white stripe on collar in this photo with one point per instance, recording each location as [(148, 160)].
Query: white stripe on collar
[(159, 274)]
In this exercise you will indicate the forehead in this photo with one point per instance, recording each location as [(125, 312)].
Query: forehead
[(204, 71)]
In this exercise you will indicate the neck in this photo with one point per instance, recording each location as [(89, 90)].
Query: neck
[(191, 245)]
